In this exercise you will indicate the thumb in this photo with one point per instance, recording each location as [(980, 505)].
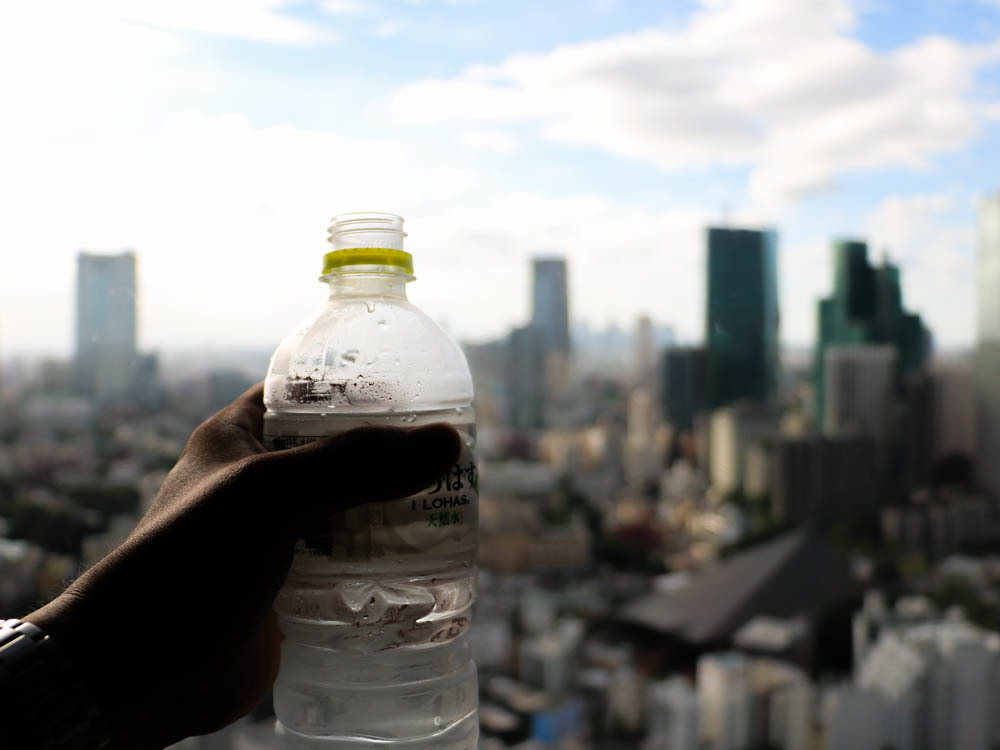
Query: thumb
[(364, 464)]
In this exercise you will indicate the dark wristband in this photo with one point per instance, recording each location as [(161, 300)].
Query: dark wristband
[(51, 706)]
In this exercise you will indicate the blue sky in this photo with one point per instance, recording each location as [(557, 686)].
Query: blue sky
[(217, 139)]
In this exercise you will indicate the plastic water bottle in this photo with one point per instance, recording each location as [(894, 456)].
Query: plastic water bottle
[(378, 598)]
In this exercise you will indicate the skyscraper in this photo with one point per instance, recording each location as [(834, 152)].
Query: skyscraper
[(859, 390), (866, 307), (105, 324), (524, 383), (550, 309), (742, 315), (643, 366), (954, 410), (818, 480), (682, 386), (987, 365), (538, 354)]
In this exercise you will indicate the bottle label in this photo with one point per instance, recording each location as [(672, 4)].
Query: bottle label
[(441, 520)]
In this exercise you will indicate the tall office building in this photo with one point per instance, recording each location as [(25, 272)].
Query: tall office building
[(859, 391), (550, 309), (643, 365), (741, 332), (954, 410), (525, 390), (987, 365), (538, 354), (818, 480), (682, 386), (866, 307), (105, 324)]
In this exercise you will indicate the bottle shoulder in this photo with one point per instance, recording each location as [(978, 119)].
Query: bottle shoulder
[(363, 353)]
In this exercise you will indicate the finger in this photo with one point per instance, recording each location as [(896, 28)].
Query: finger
[(364, 464), (247, 411), (231, 433)]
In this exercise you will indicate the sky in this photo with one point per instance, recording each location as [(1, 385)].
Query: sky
[(217, 138)]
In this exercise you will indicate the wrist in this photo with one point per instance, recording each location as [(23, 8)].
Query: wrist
[(102, 655), (54, 707), (60, 620)]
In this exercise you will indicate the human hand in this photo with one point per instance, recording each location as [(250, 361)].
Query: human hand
[(174, 629)]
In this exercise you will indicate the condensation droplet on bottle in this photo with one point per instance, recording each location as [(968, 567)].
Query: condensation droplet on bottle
[(459, 410), (370, 306), (409, 418), (437, 721)]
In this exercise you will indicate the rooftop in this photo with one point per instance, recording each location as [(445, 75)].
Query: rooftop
[(791, 575)]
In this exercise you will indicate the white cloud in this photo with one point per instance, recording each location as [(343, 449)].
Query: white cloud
[(497, 141), (937, 260), (344, 7), (228, 217), (257, 20), (388, 29), (77, 66), (780, 86), (229, 222)]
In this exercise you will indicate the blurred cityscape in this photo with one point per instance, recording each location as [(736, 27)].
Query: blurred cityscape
[(725, 546)]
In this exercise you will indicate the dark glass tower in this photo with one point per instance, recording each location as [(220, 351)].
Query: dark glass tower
[(742, 316), (866, 307), (682, 385)]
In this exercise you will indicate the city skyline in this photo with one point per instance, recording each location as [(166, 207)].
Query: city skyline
[(224, 177), (721, 283), (575, 327)]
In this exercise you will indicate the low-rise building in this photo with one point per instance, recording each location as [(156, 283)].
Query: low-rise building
[(724, 701), (671, 716), (922, 682)]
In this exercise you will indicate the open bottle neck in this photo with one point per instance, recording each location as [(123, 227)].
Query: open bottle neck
[(367, 259), (357, 283)]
